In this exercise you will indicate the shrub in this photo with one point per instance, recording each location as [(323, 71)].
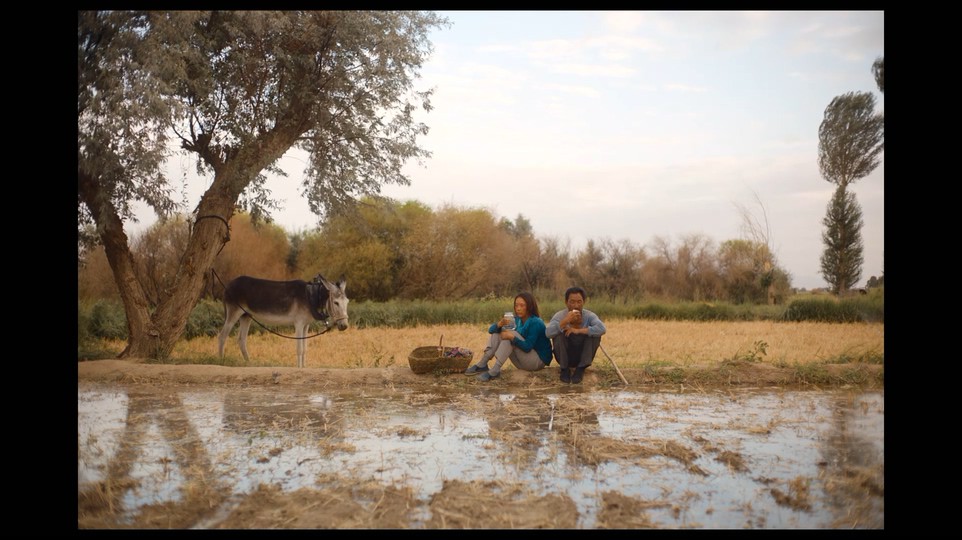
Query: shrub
[(396, 314), (831, 310), (655, 312), (869, 308), (206, 319), (108, 321), (84, 334)]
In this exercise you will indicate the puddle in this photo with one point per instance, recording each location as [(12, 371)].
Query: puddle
[(717, 459)]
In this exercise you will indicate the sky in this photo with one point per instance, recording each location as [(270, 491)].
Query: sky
[(632, 125)]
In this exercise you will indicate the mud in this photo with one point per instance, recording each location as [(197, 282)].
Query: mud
[(474, 456)]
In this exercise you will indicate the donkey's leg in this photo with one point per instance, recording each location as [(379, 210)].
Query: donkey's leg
[(230, 319), (300, 330), (245, 324)]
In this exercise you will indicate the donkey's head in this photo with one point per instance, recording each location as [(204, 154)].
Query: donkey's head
[(336, 300)]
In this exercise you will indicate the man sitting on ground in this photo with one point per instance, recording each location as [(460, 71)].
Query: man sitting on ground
[(575, 335)]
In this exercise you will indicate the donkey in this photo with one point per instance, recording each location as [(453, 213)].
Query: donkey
[(296, 303)]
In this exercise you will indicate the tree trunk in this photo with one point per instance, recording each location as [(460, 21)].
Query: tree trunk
[(211, 232), (154, 336), (116, 248), (770, 289)]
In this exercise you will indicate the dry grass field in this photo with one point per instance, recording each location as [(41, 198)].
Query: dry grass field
[(631, 343)]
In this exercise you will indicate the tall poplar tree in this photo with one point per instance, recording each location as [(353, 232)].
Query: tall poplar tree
[(841, 262), (850, 144)]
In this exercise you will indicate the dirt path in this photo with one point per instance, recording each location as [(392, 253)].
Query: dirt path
[(599, 376)]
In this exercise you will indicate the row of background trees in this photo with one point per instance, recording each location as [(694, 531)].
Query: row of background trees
[(407, 250)]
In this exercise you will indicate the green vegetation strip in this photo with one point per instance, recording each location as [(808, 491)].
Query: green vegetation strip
[(106, 320)]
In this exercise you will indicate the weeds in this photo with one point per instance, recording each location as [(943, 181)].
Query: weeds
[(833, 310), (675, 375), (651, 368), (759, 349), (609, 377), (854, 357), (811, 374)]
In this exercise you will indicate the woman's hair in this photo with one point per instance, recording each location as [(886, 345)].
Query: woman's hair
[(532, 303)]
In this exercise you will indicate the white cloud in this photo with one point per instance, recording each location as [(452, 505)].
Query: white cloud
[(581, 90), (594, 70), (640, 124), (680, 87)]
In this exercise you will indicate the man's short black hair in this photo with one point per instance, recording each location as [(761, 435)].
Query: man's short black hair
[(573, 290)]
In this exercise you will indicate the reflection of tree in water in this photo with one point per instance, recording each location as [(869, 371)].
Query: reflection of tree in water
[(247, 412), (101, 504), (526, 421), (851, 473), (533, 425)]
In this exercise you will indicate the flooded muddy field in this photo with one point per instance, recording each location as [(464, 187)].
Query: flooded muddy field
[(215, 456)]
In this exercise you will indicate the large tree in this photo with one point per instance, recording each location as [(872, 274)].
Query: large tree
[(237, 90), (759, 231), (365, 245), (841, 261), (746, 270), (850, 144), (458, 253), (850, 138)]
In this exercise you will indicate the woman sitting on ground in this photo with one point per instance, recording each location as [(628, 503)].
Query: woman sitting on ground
[(527, 346)]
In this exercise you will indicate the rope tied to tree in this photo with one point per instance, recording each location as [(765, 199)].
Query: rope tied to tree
[(226, 224)]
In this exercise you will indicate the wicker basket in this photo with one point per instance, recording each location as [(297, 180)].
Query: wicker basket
[(434, 359)]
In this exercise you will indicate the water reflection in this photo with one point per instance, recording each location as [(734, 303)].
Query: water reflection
[(183, 457)]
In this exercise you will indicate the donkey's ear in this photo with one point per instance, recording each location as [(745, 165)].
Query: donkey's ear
[(342, 281)]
